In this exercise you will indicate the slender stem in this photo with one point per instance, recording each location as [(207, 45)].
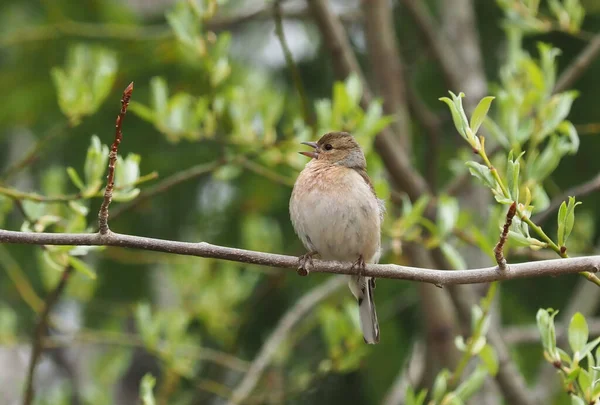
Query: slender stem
[(40, 332), (289, 60), (112, 161), (477, 333)]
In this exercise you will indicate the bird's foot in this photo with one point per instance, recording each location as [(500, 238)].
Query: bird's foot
[(359, 266), (303, 261)]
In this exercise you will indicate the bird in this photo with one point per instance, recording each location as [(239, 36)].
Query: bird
[(336, 214)]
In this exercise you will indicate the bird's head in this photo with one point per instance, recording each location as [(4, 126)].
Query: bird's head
[(337, 148)]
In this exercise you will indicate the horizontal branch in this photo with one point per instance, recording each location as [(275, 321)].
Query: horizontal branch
[(202, 249)]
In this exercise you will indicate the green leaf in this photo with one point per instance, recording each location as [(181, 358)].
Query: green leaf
[(569, 131), (472, 384), (75, 178), (440, 385), (575, 400), (82, 267), (185, 25), (548, 160), (85, 81), (584, 380), (228, 172), (562, 216), (570, 218), (587, 349), (512, 174), (220, 72), (497, 133), (482, 173), (453, 256), (95, 162), (578, 332), (354, 88), (555, 111), (480, 113), (447, 214), (545, 324), (490, 359), (146, 389), (142, 111), (160, 96), (456, 116)]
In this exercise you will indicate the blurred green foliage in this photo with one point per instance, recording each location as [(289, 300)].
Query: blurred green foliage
[(63, 66)]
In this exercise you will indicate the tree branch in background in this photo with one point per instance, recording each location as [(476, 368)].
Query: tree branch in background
[(530, 334), (33, 154), (442, 50), (432, 125), (410, 375), (386, 62), (40, 333), (579, 191), (112, 161), (169, 182), (268, 350), (221, 23), (289, 60), (579, 65)]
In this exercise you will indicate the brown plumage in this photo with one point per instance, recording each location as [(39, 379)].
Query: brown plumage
[(337, 215)]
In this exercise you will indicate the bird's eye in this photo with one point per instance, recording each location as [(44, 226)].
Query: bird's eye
[(328, 147)]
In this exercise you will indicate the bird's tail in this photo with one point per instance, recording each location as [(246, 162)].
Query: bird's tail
[(362, 288)]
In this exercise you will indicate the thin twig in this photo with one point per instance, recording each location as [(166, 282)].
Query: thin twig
[(291, 65), (112, 161), (40, 332), (280, 334), (499, 249), (523, 334), (438, 277), (33, 154), (579, 191), (409, 376), (98, 337), (168, 182), (579, 65), (432, 125), (386, 65), (23, 195), (440, 47)]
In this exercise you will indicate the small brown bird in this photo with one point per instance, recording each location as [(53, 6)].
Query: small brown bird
[(337, 215)]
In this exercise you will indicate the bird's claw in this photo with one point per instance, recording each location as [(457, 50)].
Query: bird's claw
[(359, 265), (302, 263)]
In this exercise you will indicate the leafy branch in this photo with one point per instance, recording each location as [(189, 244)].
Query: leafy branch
[(508, 192)]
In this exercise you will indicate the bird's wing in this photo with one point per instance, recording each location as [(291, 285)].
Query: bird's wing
[(363, 173)]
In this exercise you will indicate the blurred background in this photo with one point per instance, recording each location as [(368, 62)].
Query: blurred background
[(210, 154)]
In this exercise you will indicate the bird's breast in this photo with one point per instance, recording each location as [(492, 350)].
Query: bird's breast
[(336, 213)]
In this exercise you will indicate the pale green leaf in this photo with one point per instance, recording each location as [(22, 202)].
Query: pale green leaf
[(578, 332), (480, 113)]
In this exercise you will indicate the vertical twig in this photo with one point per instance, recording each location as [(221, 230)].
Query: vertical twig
[(289, 60), (40, 332), (578, 66), (499, 249), (112, 161)]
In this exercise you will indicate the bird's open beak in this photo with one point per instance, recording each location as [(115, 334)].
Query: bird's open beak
[(313, 154)]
